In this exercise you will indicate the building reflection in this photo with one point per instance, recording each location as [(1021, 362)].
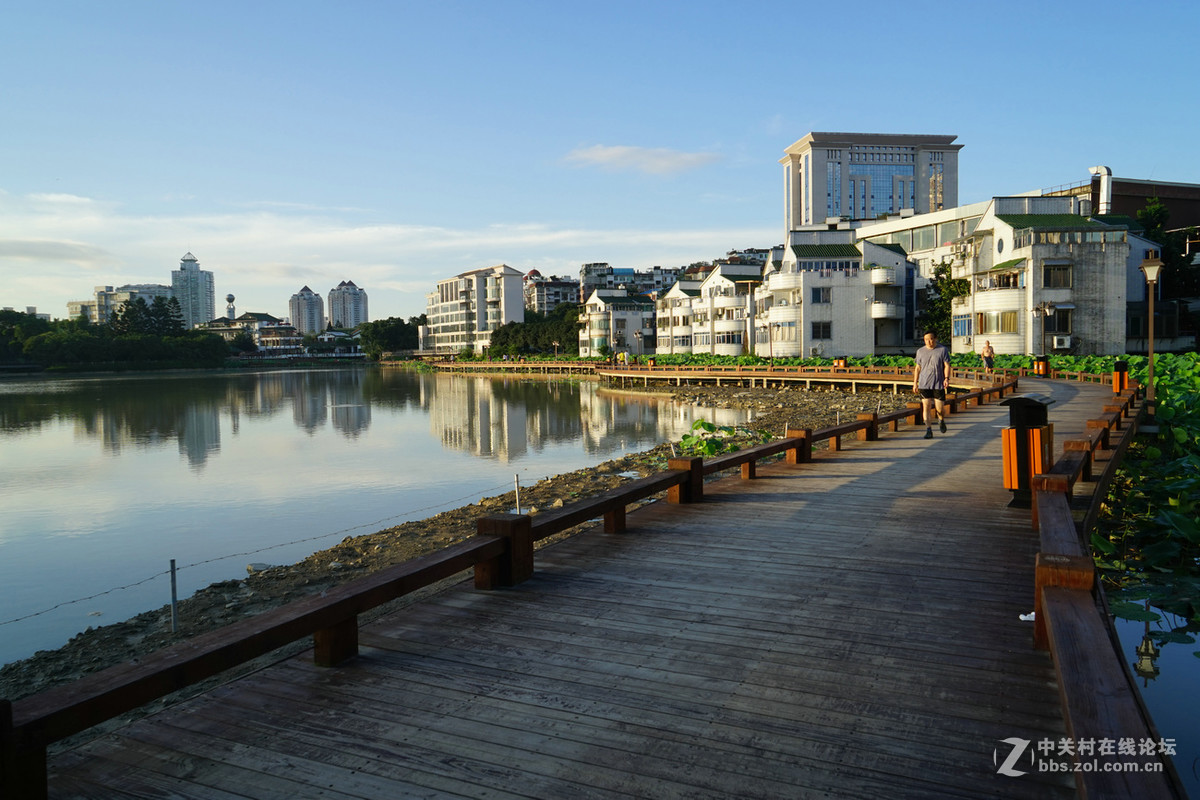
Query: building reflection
[(496, 418), (508, 418)]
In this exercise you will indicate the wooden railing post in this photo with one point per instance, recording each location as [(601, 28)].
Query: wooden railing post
[(336, 644), (1053, 569), (515, 564), (692, 489), (871, 432), (802, 452), (22, 767)]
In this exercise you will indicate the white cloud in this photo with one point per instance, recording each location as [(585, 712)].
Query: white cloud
[(655, 161), (49, 255)]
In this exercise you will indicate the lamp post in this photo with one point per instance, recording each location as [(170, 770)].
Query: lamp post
[(638, 336), (1151, 267), (1044, 310)]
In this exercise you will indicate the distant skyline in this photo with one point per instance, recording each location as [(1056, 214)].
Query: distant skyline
[(395, 144)]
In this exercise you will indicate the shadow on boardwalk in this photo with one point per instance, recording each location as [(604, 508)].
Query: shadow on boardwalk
[(844, 628)]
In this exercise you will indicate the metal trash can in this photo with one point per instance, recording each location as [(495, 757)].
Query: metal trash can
[(1041, 366), (1028, 444)]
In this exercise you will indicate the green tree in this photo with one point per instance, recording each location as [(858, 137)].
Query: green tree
[(243, 342), (935, 310), (1179, 277), (389, 335)]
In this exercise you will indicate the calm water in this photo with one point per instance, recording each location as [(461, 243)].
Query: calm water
[(104, 480)]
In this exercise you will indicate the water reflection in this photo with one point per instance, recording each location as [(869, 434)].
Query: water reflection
[(501, 418)]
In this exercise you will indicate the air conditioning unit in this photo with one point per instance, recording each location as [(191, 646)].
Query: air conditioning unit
[(1062, 342), (814, 351)]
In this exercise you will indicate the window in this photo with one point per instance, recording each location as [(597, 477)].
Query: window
[(996, 322), (822, 330), (962, 325), (822, 294), (1060, 321), (1056, 276)]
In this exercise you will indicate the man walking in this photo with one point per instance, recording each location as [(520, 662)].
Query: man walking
[(931, 376), (989, 357)]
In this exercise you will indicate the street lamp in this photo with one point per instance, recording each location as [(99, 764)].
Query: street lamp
[(1044, 310), (1151, 267), (638, 335)]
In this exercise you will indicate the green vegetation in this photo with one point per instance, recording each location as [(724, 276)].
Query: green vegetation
[(707, 439), (554, 333), (389, 336), (935, 308), (140, 336), (1148, 542)]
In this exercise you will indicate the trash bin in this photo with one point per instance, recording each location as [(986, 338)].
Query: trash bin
[(1041, 366), (840, 361), (1120, 376), (1028, 444)]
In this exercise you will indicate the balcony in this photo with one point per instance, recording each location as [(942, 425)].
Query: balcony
[(883, 276), (785, 281), (735, 301), (887, 311)]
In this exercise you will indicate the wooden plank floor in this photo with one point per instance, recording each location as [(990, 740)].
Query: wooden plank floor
[(846, 628)]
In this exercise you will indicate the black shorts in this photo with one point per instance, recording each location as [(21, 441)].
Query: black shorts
[(987, 362), (933, 394)]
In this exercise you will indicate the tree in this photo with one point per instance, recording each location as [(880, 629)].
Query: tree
[(389, 335), (935, 310), (243, 342), (1179, 278)]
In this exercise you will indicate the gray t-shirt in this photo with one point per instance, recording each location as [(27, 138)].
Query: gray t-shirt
[(932, 363)]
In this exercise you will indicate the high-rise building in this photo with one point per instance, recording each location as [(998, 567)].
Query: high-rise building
[(347, 305), (464, 310), (308, 311), (106, 300), (863, 176), (193, 287)]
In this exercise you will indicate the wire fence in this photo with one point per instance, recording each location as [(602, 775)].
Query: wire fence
[(374, 526)]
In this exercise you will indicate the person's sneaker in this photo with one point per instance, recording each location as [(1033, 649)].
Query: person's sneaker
[(929, 433), (942, 426)]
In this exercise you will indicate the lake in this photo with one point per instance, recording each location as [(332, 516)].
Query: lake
[(104, 480)]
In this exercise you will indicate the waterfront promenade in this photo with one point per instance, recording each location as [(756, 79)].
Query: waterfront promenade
[(847, 627)]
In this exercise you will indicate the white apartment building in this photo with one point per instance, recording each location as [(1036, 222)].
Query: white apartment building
[(600, 275), (347, 306), (464, 310), (307, 311), (673, 315), (832, 296), (614, 321), (1044, 277), (194, 289), (106, 300), (544, 294), (723, 312), (862, 176)]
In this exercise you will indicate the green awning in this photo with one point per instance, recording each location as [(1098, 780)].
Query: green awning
[(1008, 264)]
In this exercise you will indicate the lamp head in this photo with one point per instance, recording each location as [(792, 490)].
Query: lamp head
[(1151, 266)]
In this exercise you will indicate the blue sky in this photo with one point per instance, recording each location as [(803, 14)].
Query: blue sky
[(398, 143)]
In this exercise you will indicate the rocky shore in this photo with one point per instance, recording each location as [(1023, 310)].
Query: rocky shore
[(772, 411)]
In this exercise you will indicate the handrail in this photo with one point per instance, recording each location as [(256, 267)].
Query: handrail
[(1099, 698)]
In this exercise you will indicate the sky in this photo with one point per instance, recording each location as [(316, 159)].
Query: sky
[(400, 143)]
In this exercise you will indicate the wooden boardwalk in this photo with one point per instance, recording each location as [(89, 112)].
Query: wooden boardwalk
[(843, 628)]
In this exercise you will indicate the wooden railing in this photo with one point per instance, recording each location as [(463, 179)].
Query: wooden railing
[(1099, 699), (501, 554)]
